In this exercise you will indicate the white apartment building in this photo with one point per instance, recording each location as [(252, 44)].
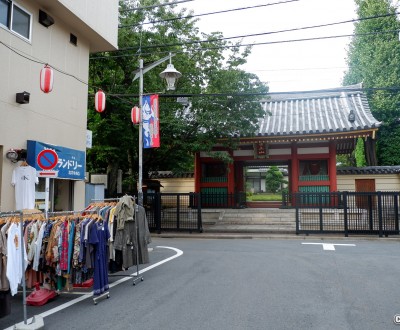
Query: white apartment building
[(62, 34)]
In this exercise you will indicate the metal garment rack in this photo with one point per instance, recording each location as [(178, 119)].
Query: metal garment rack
[(136, 278), (69, 212), (21, 224), (107, 293)]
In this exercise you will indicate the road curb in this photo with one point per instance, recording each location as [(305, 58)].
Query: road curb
[(248, 235)]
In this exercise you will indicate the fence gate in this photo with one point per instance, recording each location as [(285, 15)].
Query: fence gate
[(168, 211), (370, 213)]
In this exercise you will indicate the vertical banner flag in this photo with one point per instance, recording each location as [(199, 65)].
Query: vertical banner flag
[(151, 123)]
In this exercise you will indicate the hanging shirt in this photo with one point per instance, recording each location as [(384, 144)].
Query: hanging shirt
[(15, 268), (64, 246), (38, 247), (24, 179)]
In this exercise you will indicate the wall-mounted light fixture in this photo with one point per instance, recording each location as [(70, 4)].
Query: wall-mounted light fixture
[(45, 19), (22, 98), (16, 154)]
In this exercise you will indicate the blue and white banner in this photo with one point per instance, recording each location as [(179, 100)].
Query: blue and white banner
[(71, 163), (151, 121)]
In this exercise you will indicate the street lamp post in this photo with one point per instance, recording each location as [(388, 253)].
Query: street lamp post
[(171, 75)]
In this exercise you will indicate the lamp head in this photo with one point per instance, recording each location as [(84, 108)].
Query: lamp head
[(171, 76), (16, 154)]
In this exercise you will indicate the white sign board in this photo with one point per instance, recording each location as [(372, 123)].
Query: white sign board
[(47, 174), (88, 139)]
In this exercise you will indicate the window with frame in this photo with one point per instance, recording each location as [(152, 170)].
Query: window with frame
[(15, 18)]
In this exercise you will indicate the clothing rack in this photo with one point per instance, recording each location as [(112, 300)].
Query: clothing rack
[(70, 212), (136, 278), (21, 223), (107, 293)]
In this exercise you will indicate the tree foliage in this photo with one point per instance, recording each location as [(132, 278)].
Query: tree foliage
[(274, 179), (359, 153), (374, 60), (209, 65)]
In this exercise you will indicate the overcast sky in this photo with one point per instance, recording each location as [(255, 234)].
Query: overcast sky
[(288, 66)]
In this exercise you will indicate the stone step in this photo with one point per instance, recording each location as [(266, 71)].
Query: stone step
[(254, 221), (262, 216), (269, 219), (249, 229)]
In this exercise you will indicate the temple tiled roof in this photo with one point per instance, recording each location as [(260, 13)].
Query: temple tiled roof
[(316, 112), (368, 170)]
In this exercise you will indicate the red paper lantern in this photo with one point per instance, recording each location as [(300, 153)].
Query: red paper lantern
[(135, 115), (46, 79), (100, 101)]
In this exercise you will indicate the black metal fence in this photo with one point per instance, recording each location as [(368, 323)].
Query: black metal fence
[(177, 212), (223, 200), (346, 212)]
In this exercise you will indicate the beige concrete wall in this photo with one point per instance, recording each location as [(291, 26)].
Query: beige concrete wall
[(59, 117), (383, 182), (177, 185), (96, 19), (100, 15), (79, 195)]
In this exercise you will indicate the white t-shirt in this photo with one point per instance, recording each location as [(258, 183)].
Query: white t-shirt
[(15, 268), (24, 179)]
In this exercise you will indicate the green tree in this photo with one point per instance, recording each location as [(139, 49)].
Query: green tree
[(274, 179), (374, 60), (345, 160), (210, 67), (359, 153)]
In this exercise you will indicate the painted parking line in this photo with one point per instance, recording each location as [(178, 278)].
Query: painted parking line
[(328, 246), (124, 279)]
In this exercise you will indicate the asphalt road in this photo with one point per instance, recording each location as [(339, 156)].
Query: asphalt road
[(243, 284)]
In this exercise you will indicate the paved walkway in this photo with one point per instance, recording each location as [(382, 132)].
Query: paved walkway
[(246, 233)]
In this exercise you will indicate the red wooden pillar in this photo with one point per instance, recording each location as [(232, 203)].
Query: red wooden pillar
[(239, 177), (294, 169), (197, 172), (332, 166), (231, 177)]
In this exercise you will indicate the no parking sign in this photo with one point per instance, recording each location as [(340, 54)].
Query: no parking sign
[(47, 159)]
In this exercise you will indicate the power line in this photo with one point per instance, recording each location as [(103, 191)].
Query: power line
[(256, 34), (330, 90), (122, 96), (272, 32), (206, 14), (252, 44)]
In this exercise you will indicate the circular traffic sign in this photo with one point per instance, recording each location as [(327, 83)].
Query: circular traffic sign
[(47, 159)]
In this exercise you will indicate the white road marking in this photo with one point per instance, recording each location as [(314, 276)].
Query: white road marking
[(124, 279), (328, 246)]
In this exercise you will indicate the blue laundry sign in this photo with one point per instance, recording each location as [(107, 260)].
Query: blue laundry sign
[(70, 165)]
